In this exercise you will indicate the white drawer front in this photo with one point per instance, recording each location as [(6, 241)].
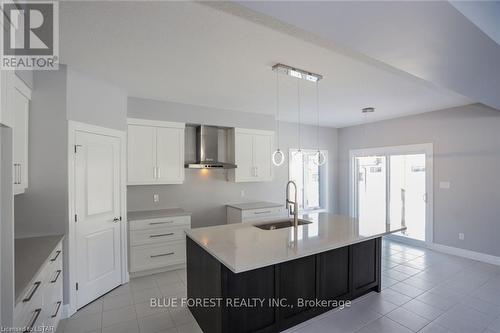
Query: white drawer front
[(28, 310), (156, 256), (160, 223), (263, 213), (157, 235)]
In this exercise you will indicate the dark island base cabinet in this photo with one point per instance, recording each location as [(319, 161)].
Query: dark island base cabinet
[(341, 274)]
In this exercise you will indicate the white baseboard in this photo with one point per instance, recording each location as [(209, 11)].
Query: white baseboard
[(65, 311), (483, 257)]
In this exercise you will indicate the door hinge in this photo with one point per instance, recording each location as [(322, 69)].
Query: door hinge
[(76, 218), (76, 147), (77, 286)]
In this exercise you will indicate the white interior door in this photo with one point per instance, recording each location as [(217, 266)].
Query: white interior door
[(97, 208)]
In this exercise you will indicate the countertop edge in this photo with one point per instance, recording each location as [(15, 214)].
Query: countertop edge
[(164, 215), (302, 255), (269, 205)]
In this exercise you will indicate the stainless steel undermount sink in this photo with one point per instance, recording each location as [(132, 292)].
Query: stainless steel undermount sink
[(279, 224)]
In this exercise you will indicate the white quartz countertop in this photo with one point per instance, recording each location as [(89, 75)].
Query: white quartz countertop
[(242, 247), (154, 214), (254, 205)]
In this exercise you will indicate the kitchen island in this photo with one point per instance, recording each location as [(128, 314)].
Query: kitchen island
[(241, 278)]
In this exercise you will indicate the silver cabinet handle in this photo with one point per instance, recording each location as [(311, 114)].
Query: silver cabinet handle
[(57, 309), (36, 284), (159, 172), (264, 212), (20, 174), (33, 320), (58, 272), (58, 252), (161, 235), (165, 222), (161, 255), (16, 176), (154, 173)]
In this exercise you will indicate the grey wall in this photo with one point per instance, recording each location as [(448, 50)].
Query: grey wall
[(206, 193), (194, 114), (43, 209), (466, 153), (95, 102)]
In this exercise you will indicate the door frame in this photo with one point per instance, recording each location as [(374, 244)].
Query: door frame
[(425, 148), (73, 128)]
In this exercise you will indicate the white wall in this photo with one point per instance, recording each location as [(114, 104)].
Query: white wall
[(466, 153), (206, 193)]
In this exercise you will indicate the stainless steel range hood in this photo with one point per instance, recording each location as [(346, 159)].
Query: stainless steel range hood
[(207, 150)]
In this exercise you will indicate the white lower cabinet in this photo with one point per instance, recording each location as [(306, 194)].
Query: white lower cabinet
[(158, 244), (235, 215), (41, 305)]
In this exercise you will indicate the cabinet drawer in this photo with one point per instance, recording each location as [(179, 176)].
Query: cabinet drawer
[(28, 311), (160, 223), (155, 256), (263, 213), (154, 236)]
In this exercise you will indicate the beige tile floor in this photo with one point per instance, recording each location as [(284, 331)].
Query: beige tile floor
[(423, 291)]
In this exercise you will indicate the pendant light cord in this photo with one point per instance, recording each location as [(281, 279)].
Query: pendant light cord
[(317, 114), (278, 107), (298, 112)]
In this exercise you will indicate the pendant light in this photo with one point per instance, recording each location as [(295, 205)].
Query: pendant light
[(278, 157), (320, 156)]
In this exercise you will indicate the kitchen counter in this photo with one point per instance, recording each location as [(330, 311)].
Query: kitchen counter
[(243, 247), (333, 259), (153, 214), (30, 255), (254, 205)]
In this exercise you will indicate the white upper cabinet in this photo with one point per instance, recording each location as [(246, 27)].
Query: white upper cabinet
[(19, 102), (251, 151), (155, 152), (6, 84)]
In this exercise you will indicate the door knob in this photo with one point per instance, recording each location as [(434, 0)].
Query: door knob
[(117, 219)]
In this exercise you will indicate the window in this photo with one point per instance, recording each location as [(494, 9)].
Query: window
[(310, 179)]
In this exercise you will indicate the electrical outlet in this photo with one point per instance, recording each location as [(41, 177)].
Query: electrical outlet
[(445, 185), (461, 236), (156, 198)]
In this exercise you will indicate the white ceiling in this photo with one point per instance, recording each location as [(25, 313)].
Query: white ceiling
[(192, 53)]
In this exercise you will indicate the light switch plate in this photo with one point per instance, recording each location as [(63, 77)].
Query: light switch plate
[(444, 185), (156, 198)]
